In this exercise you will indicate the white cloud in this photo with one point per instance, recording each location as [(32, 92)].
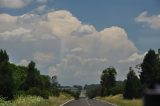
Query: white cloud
[(62, 23), (52, 71), (23, 62), (15, 4), (96, 60), (151, 21), (20, 32), (43, 57), (84, 30), (60, 43), (133, 58), (76, 50), (6, 18)]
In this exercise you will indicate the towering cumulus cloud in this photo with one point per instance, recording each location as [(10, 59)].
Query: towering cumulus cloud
[(63, 45)]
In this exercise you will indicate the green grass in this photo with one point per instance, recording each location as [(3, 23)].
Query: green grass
[(37, 101), (119, 101)]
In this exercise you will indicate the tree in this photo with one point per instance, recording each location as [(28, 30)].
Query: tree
[(118, 88), (54, 81), (33, 77), (150, 69), (108, 80), (3, 56), (132, 86), (6, 79), (45, 82)]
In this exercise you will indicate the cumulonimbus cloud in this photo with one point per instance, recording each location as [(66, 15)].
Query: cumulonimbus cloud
[(75, 51)]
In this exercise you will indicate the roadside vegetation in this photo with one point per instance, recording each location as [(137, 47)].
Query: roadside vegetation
[(26, 86), (119, 101), (37, 101), (130, 91)]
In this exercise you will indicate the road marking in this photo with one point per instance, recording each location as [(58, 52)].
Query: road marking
[(106, 102), (66, 102), (111, 103), (88, 103)]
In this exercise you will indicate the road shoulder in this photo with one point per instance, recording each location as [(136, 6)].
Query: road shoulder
[(66, 102), (106, 102)]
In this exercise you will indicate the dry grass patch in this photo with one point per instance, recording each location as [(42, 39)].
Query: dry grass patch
[(119, 101), (37, 101)]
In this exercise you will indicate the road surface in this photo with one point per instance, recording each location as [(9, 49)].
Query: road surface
[(87, 102)]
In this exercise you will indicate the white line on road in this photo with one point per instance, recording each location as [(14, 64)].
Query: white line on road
[(88, 103), (106, 102), (111, 104), (66, 102)]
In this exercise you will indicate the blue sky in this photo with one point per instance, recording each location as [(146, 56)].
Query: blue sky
[(137, 20)]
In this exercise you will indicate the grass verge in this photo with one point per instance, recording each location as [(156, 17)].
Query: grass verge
[(37, 101), (119, 101)]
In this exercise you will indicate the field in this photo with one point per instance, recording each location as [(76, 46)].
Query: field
[(36, 101), (119, 101)]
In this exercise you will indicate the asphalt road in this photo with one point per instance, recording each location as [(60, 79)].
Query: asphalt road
[(87, 102)]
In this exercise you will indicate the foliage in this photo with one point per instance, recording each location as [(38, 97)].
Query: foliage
[(38, 92), (150, 73), (54, 86), (118, 88), (33, 77), (36, 101), (6, 77), (108, 80), (19, 75), (132, 86), (21, 80)]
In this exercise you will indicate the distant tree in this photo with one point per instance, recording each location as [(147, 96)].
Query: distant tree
[(93, 90), (55, 86), (150, 69), (79, 87), (132, 86), (6, 79), (108, 80), (158, 51), (54, 81)]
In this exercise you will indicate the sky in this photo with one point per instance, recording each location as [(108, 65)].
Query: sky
[(77, 39)]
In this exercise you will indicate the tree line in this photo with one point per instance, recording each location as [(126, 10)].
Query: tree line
[(20, 80), (134, 85)]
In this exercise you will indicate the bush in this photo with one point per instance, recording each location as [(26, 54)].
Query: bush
[(55, 92), (38, 92), (118, 89), (20, 93), (44, 94)]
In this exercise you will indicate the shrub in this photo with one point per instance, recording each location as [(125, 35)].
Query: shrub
[(54, 92), (38, 92)]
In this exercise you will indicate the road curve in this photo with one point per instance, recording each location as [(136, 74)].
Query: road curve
[(87, 102)]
